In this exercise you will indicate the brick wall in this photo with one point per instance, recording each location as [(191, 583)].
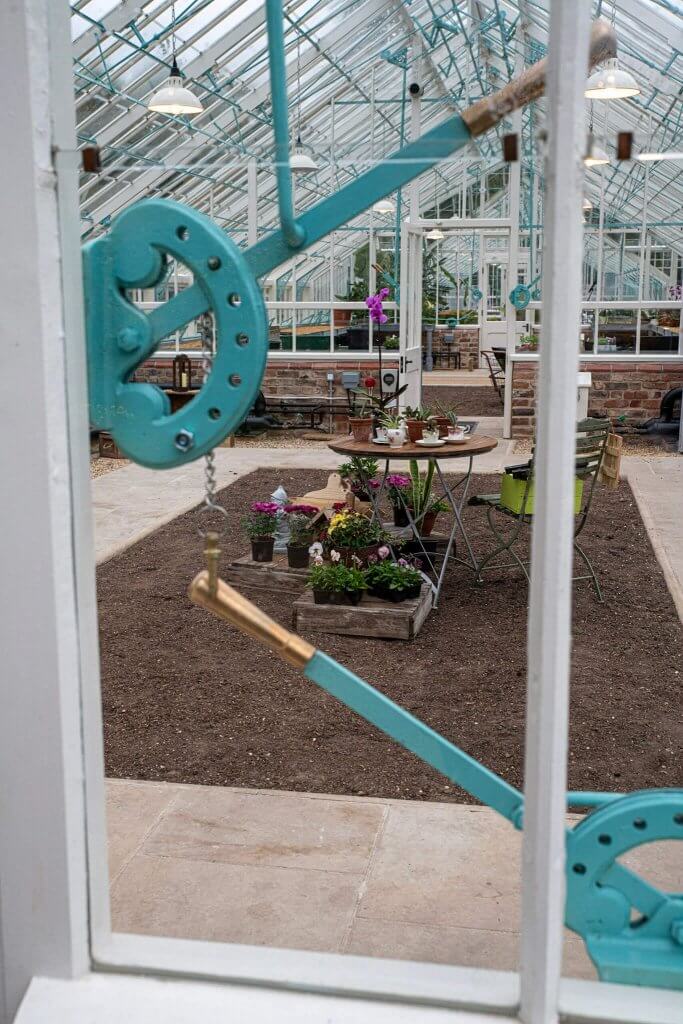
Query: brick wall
[(466, 342), (630, 389)]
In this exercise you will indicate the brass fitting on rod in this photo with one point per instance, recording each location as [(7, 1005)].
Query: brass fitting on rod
[(228, 604)]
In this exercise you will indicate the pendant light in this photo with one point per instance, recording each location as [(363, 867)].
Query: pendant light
[(435, 234), (611, 83), (595, 154), (586, 205), (173, 97), (299, 161), (384, 206)]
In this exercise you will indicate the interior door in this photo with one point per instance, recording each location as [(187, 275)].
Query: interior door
[(410, 314), (494, 277)]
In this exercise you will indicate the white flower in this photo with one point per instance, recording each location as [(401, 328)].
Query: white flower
[(317, 559), (315, 549), (356, 560), (335, 556), (384, 552)]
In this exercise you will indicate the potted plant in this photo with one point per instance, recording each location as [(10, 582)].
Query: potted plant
[(423, 506), (397, 485), (393, 581), (354, 536), (302, 533), (335, 583), (260, 526), (356, 474), (360, 424), (442, 418), (392, 423), (416, 418)]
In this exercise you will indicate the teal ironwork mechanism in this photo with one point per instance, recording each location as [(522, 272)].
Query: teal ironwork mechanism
[(601, 892)]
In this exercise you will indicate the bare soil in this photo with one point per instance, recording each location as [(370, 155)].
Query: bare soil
[(189, 699), (465, 401)]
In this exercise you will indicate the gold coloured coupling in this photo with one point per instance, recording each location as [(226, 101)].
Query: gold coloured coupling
[(228, 604), (530, 84)]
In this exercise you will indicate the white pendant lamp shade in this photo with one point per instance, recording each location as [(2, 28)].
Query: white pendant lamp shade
[(384, 206), (174, 97), (300, 162), (586, 205), (611, 83), (435, 234), (595, 154)]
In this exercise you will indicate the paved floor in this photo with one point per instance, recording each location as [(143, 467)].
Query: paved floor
[(390, 878)]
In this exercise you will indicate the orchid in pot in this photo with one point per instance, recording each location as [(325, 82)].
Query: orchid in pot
[(358, 475), (392, 423), (335, 583), (260, 525), (423, 505), (302, 533)]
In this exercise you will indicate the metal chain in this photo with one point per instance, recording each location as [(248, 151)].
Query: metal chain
[(210, 503)]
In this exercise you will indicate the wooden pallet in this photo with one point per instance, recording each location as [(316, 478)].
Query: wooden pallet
[(275, 576), (372, 617)]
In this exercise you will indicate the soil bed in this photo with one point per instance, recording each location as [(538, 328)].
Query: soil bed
[(466, 401), (189, 699)]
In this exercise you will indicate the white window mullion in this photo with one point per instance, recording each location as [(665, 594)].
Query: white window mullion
[(543, 888)]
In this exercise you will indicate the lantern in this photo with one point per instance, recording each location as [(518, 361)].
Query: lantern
[(182, 373)]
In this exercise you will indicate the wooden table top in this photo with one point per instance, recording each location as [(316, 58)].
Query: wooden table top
[(478, 444)]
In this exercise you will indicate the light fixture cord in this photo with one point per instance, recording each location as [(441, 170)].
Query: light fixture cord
[(298, 89), (173, 29)]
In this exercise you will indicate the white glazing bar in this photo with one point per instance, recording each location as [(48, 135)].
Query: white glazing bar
[(543, 884), (252, 203), (43, 901), (514, 182)]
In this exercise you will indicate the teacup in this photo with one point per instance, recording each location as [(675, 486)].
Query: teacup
[(430, 436), (456, 433), (382, 433)]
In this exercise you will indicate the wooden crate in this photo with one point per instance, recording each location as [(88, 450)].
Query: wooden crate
[(372, 617), (275, 576), (108, 448)]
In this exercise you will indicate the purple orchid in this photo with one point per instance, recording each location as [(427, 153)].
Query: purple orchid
[(374, 304)]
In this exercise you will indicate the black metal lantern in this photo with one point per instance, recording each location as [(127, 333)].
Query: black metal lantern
[(182, 373)]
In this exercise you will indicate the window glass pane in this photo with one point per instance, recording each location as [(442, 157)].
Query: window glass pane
[(616, 331), (659, 330)]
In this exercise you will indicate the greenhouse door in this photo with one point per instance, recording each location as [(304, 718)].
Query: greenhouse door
[(493, 276), (410, 315)]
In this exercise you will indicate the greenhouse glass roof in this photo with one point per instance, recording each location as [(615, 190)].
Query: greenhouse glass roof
[(349, 63)]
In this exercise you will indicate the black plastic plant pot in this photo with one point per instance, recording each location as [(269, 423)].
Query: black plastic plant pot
[(400, 516), (297, 556), (396, 596), (262, 549), (339, 597)]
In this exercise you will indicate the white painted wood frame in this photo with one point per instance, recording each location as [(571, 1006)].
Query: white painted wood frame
[(55, 936)]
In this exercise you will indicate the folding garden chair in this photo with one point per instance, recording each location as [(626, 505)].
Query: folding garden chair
[(515, 500), (496, 373)]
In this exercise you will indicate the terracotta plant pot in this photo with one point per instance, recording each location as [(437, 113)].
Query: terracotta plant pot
[(345, 597), (362, 553), (262, 549), (443, 424), (360, 427), (400, 516), (427, 524), (415, 429), (298, 556)]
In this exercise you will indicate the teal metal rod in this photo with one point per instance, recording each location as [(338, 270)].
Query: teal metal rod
[(414, 735), (330, 213), (292, 232), (577, 799)]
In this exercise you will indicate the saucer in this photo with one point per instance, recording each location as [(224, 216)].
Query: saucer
[(430, 444), (456, 440), (380, 440)]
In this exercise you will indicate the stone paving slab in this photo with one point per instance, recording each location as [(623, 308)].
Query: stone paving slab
[(431, 882)]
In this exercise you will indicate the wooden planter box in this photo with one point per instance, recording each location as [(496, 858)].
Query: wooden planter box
[(372, 617), (275, 576)]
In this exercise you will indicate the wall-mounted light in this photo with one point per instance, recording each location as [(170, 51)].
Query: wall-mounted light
[(435, 234), (384, 206), (670, 155)]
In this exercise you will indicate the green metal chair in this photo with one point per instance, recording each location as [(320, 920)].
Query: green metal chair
[(515, 501)]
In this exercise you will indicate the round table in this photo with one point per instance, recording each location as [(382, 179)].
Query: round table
[(472, 446)]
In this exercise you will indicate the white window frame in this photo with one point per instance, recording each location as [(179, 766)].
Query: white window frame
[(54, 914)]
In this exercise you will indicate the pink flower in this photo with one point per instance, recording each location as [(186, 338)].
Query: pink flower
[(304, 510), (398, 481), (268, 508), (372, 559), (383, 552), (374, 484), (402, 562)]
